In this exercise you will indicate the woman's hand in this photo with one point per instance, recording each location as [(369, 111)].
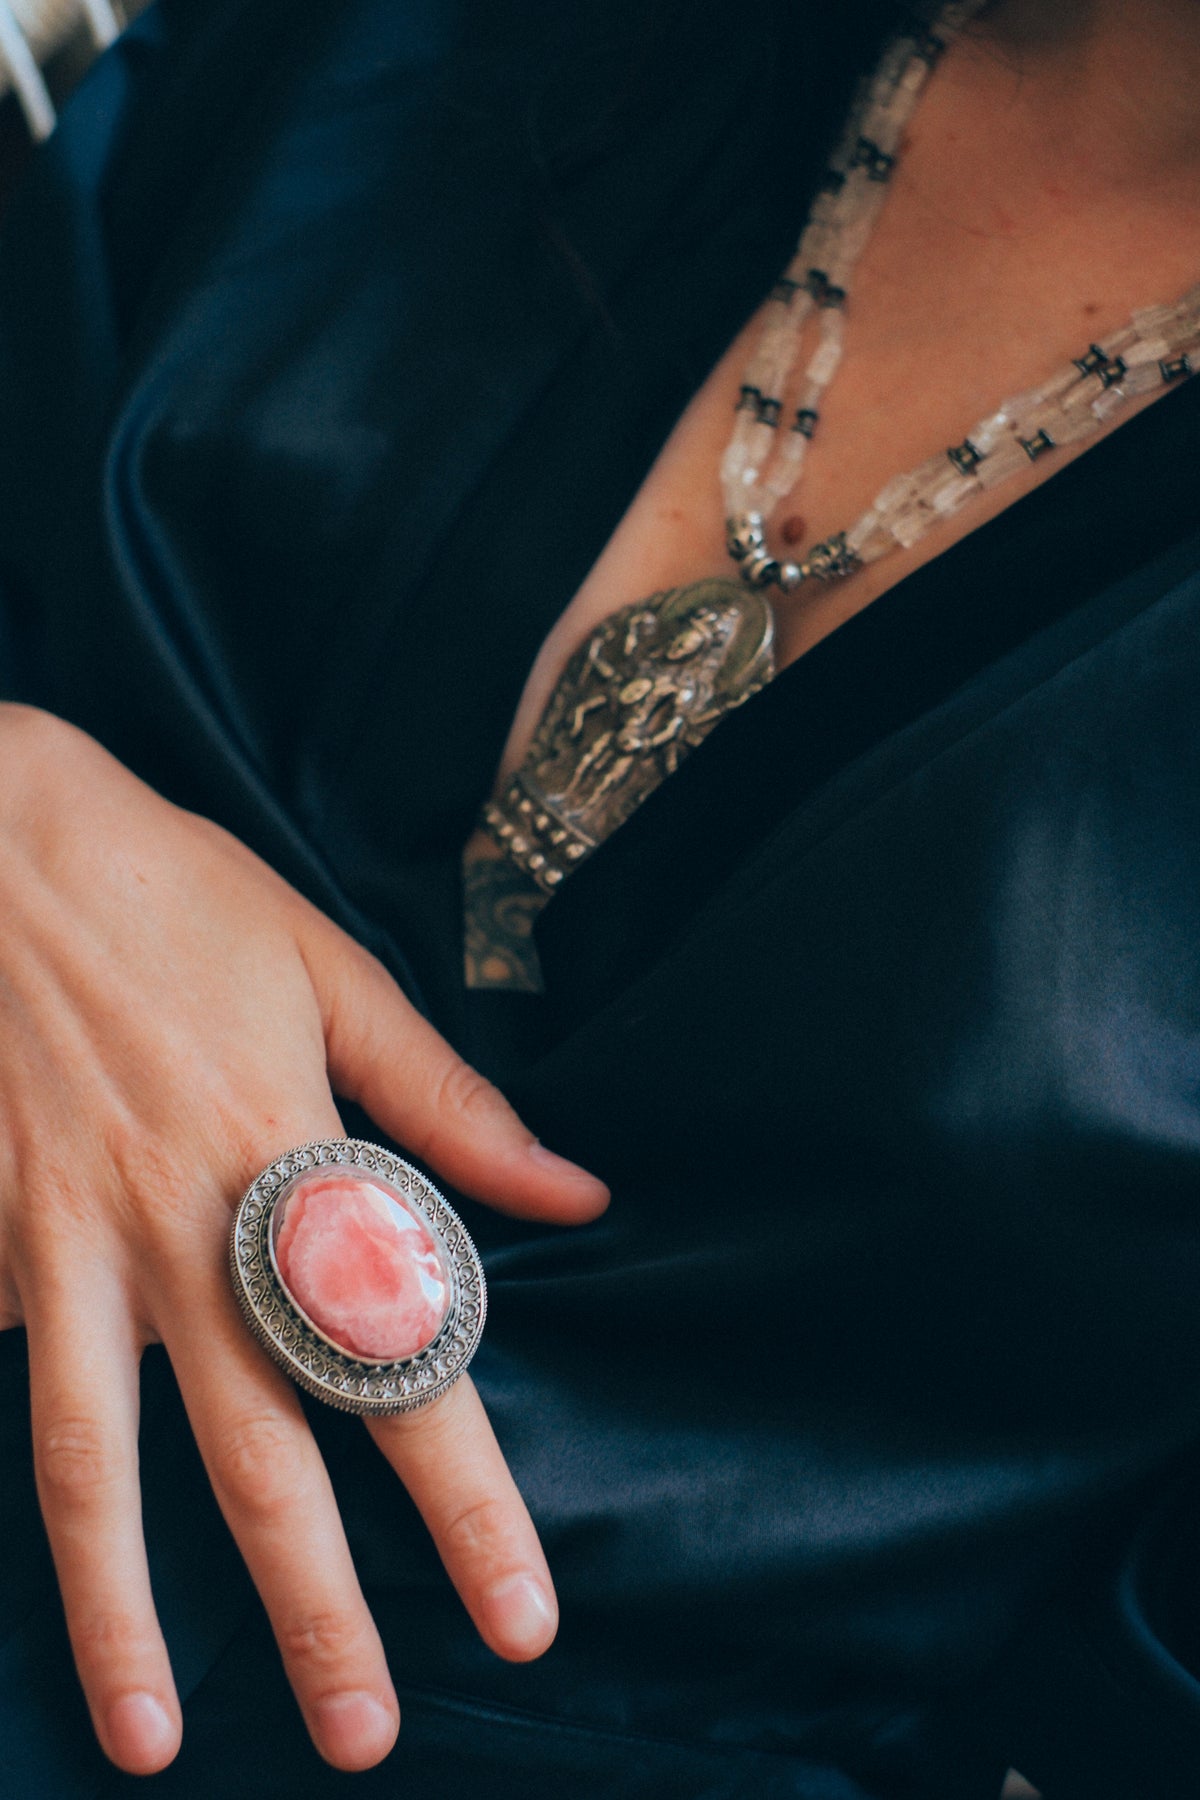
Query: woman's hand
[(172, 1017)]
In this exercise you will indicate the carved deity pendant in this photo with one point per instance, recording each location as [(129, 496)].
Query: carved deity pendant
[(646, 687)]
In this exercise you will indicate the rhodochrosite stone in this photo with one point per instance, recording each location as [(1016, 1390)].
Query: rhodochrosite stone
[(364, 1267)]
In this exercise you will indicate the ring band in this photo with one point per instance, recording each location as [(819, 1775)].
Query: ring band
[(357, 1277)]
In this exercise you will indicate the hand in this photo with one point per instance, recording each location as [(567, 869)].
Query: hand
[(172, 1017)]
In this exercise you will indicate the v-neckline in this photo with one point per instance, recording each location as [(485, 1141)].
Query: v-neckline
[(1092, 525)]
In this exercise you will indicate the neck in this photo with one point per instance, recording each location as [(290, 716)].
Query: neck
[(1108, 86)]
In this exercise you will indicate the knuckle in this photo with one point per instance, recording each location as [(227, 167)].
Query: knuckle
[(321, 1639), (478, 1531), (255, 1467), (76, 1461), (112, 1640), (464, 1094), (155, 1184)]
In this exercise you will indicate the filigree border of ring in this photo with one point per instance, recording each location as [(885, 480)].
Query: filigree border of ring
[(330, 1374)]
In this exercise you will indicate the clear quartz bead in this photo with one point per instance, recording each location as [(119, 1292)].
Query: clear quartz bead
[(893, 495), (824, 362), (870, 538), (1146, 350), (1001, 464), (909, 526), (1141, 378), (1079, 397), (989, 431), (1109, 402), (952, 492), (785, 471), (913, 79), (1148, 321), (1070, 427)]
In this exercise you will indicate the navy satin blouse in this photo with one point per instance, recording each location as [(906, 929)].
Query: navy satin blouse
[(333, 344)]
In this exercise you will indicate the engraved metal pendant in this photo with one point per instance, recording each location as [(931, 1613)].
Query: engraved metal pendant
[(647, 686)]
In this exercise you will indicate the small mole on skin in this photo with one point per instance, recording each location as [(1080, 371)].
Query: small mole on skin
[(1090, 308)]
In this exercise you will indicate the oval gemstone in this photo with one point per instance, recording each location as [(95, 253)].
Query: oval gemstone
[(360, 1263)]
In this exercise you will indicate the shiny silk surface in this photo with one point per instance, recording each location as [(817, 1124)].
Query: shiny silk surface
[(333, 343)]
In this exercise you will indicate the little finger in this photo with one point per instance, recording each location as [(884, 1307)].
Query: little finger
[(83, 1361), (447, 1456)]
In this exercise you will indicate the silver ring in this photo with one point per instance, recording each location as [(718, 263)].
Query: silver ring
[(357, 1277)]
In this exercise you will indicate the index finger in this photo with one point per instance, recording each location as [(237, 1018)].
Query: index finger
[(383, 1054)]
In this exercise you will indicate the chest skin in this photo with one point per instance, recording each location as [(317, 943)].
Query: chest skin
[(943, 324)]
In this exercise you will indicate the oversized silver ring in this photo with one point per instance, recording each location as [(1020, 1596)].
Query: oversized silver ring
[(356, 1275)]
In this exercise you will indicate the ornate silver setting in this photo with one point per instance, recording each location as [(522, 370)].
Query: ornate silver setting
[(349, 1383), (643, 690)]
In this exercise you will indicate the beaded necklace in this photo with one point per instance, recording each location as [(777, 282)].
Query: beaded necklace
[(653, 679)]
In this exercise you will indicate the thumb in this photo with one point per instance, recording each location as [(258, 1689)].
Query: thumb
[(382, 1054)]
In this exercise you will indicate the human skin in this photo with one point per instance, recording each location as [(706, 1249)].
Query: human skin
[(1049, 183), (172, 1015)]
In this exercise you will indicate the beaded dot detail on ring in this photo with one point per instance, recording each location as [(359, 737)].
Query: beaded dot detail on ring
[(357, 1276), (651, 682)]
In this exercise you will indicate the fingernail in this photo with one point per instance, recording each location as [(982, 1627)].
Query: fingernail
[(522, 1615), (564, 1170), (354, 1729), (141, 1735)]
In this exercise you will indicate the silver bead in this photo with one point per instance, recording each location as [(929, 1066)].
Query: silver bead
[(760, 569), (745, 533)]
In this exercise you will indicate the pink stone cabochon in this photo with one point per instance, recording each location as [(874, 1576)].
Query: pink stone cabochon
[(364, 1267)]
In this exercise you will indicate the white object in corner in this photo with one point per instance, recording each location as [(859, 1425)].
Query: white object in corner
[(30, 32)]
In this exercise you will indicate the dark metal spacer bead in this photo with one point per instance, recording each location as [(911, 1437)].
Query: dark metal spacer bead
[(759, 569), (783, 290), (928, 46), (1175, 369), (748, 399), (1098, 362), (1037, 445), (769, 411), (833, 296), (806, 421), (817, 283), (965, 457), (877, 162)]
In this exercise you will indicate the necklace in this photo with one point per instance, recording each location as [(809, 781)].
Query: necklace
[(654, 679)]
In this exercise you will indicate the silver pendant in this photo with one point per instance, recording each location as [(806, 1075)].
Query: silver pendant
[(646, 687)]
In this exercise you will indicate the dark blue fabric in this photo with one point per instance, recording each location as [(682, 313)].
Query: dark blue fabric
[(333, 343)]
